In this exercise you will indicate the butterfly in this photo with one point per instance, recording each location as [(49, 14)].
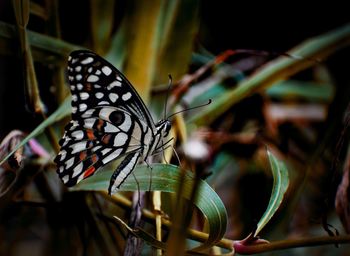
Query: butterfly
[(109, 121)]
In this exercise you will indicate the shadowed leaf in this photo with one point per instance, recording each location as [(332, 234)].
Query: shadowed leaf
[(280, 186), (165, 178)]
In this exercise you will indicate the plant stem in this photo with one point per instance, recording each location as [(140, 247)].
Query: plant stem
[(290, 243)]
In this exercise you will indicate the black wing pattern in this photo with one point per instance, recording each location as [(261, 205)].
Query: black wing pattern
[(109, 119)]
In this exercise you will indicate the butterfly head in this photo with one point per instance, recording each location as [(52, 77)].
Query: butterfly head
[(163, 127)]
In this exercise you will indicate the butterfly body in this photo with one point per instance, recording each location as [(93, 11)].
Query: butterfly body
[(109, 121)]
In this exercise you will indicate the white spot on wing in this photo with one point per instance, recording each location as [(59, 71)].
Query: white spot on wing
[(77, 169), (103, 103), (96, 148), (82, 107), (78, 135), (92, 78), (63, 155), (78, 68), (126, 96), (120, 139), (110, 128), (78, 77), (106, 150), (65, 179), (125, 126), (74, 110), (89, 122), (105, 113), (106, 70), (80, 178), (74, 124), (114, 84), (69, 162), (113, 97), (84, 95), (87, 60), (99, 95), (74, 97), (112, 156), (88, 113), (66, 141), (78, 147), (79, 86), (98, 72)]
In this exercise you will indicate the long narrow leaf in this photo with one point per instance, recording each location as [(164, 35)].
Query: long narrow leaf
[(280, 186), (37, 41), (165, 178), (282, 68)]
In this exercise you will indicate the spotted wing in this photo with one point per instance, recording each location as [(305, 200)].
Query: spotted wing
[(94, 140), (109, 119), (96, 82)]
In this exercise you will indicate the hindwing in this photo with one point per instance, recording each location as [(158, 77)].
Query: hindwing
[(109, 120)]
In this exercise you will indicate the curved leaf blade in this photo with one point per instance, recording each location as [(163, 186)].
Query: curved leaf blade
[(165, 178), (280, 186)]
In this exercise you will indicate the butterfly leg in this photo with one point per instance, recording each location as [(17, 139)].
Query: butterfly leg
[(123, 171), (148, 165)]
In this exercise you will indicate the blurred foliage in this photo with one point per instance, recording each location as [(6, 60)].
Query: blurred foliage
[(268, 156)]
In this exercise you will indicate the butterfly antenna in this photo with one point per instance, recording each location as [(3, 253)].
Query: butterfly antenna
[(188, 109), (167, 95)]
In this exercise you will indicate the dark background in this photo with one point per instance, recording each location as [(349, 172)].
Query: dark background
[(224, 24)]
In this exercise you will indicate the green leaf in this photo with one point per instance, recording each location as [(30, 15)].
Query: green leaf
[(61, 112), (21, 8), (149, 38), (165, 178), (38, 41), (177, 19), (102, 19), (280, 69), (280, 186), (310, 91)]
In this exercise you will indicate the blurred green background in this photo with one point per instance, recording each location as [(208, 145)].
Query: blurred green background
[(278, 78)]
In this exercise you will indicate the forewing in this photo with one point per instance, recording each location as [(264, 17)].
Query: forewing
[(96, 82), (109, 118)]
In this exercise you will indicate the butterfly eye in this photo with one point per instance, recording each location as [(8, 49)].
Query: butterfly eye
[(167, 127)]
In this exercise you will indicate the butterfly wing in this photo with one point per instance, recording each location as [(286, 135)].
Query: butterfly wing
[(109, 120), (96, 82)]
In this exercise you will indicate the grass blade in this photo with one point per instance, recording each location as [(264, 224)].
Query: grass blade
[(280, 186), (165, 178)]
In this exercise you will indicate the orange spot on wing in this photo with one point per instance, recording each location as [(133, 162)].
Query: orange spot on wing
[(89, 171), (94, 158), (82, 155), (100, 124), (106, 138), (90, 135)]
